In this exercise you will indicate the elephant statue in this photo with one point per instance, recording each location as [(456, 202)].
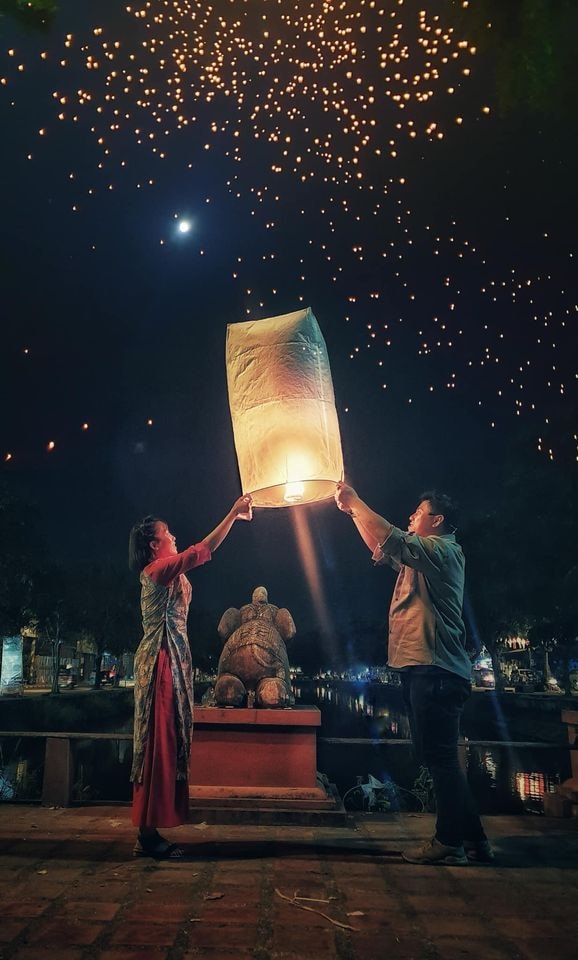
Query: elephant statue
[(253, 666)]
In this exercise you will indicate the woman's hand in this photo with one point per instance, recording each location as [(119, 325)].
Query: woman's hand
[(345, 497), (242, 509)]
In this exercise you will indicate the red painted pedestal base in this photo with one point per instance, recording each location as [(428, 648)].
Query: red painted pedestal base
[(243, 756)]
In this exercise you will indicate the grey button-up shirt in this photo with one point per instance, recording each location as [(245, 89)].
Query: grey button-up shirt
[(425, 616)]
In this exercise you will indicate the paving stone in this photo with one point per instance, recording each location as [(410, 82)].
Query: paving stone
[(401, 948), (98, 903), (24, 908), (224, 914), (64, 933), (89, 888), (521, 928), (222, 951), (229, 937), (310, 941), (132, 953), (472, 948), (456, 926), (87, 910), (562, 947), (10, 929), (174, 913), (145, 932), (47, 952), (45, 888), (432, 903)]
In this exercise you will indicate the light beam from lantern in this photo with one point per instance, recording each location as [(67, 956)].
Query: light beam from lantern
[(310, 565)]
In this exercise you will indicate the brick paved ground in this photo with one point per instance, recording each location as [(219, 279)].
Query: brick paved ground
[(69, 890)]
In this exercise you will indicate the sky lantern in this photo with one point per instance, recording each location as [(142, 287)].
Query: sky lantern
[(283, 410)]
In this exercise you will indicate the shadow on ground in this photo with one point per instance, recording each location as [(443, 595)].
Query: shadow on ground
[(558, 852)]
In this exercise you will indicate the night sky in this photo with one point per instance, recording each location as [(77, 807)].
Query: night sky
[(172, 167)]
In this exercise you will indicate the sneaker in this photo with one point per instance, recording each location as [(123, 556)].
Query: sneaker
[(479, 851), (435, 852)]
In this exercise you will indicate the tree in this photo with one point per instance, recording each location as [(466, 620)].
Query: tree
[(52, 613), (558, 631), (522, 571), (22, 559)]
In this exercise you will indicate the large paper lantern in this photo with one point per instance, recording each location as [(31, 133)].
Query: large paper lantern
[(283, 410)]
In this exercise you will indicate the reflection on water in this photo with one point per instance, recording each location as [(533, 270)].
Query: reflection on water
[(531, 787), (357, 721), (503, 778), (357, 712), (519, 777), (355, 704)]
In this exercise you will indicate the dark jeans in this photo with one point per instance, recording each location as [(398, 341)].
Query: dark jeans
[(434, 699)]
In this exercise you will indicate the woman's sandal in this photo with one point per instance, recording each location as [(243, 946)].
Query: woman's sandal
[(158, 848)]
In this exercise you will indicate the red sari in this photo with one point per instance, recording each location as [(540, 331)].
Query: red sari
[(163, 693)]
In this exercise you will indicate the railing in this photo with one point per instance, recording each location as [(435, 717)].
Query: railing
[(58, 770)]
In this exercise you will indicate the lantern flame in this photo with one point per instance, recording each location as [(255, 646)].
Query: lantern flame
[(294, 492)]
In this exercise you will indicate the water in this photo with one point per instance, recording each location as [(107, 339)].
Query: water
[(504, 779)]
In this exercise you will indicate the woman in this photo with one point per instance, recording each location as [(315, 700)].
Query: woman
[(163, 692)]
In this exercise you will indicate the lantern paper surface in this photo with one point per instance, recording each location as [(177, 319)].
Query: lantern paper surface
[(283, 410)]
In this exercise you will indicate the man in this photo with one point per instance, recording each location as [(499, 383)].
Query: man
[(427, 643)]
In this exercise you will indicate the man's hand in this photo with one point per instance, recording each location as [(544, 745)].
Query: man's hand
[(243, 508), (345, 497)]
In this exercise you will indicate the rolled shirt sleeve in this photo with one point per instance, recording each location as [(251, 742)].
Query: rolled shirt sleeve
[(426, 554)]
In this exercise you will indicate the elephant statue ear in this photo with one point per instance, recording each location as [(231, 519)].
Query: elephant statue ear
[(284, 623), (229, 622)]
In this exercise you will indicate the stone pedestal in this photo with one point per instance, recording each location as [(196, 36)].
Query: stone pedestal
[(247, 758)]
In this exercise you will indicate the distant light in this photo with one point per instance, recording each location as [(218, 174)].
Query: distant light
[(85, 426), (184, 226), (149, 422), (50, 445)]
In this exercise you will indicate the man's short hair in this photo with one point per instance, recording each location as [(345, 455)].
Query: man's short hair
[(442, 503)]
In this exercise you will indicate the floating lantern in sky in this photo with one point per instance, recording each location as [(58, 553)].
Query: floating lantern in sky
[(283, 410)]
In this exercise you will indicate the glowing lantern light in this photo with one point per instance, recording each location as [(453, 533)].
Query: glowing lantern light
[(294, 492), (283, 410)]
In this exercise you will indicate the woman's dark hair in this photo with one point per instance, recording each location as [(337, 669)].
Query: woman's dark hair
[(139, 551), (441, 503)]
